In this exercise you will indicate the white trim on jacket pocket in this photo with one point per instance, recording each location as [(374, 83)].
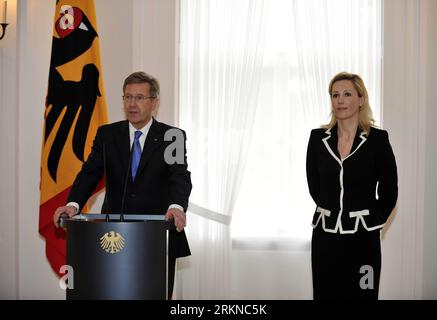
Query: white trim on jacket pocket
[(354, 214), (358, 215), (323, 213), (363, 221)]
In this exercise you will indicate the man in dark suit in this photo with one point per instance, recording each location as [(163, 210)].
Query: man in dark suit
[(155, 183)]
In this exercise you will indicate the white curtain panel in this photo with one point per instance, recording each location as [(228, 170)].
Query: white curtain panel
[(220, 72), (254, 79), (308, 42), (333, 36)]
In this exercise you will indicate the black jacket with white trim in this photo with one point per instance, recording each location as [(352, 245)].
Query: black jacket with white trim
[(362, 188)]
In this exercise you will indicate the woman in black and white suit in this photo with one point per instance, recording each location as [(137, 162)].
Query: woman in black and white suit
[(352, 177)]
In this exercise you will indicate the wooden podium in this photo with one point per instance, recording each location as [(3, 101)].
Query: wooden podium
[(117, 260)]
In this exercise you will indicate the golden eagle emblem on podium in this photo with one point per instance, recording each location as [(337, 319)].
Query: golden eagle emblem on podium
[(112, 242)]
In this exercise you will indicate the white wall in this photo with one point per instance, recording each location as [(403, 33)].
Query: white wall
[(34, 27), (8, 160), (430, 217), (403, 115), (145, 38), (154, 31), (409, 252), (115, 38), (280, 273)]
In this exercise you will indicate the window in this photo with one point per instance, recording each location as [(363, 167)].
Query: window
[(301, 45)]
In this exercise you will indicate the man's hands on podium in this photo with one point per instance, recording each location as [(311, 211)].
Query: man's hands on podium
[(175, 214), (179, 217), (69, 211)]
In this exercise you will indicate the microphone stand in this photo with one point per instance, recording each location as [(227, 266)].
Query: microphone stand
[(125, 185), (106, 185)]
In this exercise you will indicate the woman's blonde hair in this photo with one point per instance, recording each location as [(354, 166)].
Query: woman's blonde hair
[(366, 120)]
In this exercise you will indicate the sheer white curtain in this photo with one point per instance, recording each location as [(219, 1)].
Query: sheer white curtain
[(220, 72), (254, 78), (309, 41), (333, 36)]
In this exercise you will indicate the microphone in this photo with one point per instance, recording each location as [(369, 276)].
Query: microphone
[(105, 204), (123, 198)]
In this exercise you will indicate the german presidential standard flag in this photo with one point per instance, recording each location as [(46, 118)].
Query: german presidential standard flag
[(75, 108)]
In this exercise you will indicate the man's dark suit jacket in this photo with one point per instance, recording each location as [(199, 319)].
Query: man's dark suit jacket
[(344, 190), (157, 184)]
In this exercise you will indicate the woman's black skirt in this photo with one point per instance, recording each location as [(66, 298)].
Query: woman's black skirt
[(346, 266)]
